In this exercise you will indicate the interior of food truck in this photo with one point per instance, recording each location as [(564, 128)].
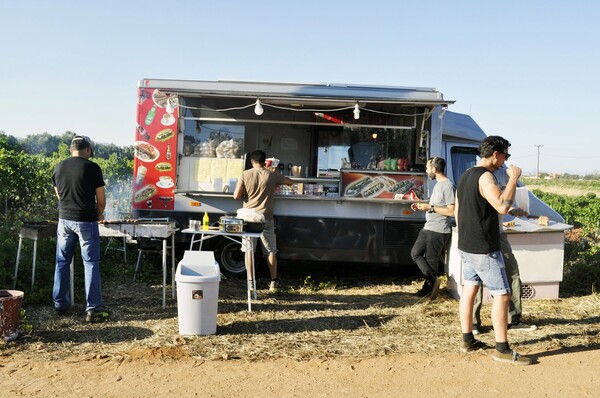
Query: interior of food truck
[(320, 139)]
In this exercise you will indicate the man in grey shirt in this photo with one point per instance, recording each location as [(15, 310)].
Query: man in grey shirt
[(433, 238)]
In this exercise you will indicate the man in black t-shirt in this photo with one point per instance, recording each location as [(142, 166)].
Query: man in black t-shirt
[(79, 186), (478, 203)]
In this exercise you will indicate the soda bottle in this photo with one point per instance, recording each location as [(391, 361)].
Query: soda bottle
[(142, 97), (205, 221), (143, 132), (150, 115), (168, 151)]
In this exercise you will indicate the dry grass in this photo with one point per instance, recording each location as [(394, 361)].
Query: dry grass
[(354, 316)]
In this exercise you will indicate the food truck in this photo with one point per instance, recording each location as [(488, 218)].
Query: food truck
[(356, 154)]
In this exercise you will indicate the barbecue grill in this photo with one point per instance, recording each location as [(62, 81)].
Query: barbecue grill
[(144, 229), (33, 230)]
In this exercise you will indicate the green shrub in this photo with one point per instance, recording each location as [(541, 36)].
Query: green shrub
[(580, 211)]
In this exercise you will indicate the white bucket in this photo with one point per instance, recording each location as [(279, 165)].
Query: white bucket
[(198, 276)]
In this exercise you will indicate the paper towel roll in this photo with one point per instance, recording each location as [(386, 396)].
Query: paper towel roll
[(522, 198)]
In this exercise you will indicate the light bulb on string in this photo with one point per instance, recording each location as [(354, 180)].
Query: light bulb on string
[(356, 112), (258, 109), (441, 114), (169, 107)]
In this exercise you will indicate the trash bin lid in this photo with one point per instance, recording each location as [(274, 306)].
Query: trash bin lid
[(197, 267)]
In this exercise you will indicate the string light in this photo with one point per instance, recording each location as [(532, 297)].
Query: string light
[(259, 105), (170, 109), (442, 112), (258, 109)]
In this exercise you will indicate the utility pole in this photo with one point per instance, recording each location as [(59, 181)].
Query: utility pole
[(537, 174)]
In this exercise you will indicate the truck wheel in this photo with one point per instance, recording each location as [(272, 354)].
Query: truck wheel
[(230, 257)]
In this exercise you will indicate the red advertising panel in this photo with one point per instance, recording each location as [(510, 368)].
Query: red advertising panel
[(383, 185), (155, 162)]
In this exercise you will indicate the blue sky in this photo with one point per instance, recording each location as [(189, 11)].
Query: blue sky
[(526, 70)]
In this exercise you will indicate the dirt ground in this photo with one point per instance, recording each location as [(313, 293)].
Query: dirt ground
[(556, 374), (355, 336)]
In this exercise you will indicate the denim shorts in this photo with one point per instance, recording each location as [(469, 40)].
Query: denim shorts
[(267, 239), (486, 268)]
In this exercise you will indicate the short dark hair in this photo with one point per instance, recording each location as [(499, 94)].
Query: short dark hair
[(80, 142), (439, 163), (258, 156), (491, 144)]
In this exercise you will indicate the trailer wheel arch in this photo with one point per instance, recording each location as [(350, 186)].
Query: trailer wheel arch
[(230, 257)]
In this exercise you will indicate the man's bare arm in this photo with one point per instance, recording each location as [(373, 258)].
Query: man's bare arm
[(488, 188), (501, 201), (100, 202), (239, 190)]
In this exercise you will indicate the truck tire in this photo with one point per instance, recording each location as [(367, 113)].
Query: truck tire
[(230, 257)]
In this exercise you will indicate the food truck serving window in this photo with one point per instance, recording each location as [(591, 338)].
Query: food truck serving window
[(211, 156), (365, 148), (209, 140)]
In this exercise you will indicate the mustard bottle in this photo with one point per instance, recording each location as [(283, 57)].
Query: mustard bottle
[(205, 221)]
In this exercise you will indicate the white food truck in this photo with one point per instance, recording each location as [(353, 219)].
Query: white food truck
[(356, 154)]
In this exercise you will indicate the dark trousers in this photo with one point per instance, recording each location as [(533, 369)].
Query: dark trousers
[(427, 252)]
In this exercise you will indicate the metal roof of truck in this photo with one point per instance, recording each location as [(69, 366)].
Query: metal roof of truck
[(335, 92), (459, 125)]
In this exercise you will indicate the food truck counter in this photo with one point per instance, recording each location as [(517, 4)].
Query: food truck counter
[(299, 197)]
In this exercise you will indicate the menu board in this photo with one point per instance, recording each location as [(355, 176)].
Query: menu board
[(383, 186), (155, 156)]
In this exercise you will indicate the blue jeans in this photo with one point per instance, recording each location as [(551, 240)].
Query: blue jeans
[(487, 268), (67, 235)]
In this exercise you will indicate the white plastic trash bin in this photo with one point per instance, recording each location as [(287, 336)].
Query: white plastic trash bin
[(198, 276)]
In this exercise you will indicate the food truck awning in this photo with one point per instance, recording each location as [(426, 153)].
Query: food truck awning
[(346, 94)]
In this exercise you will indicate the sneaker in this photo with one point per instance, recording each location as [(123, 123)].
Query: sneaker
[(425, 290), (474, 346), (475, 330), (97, 315), (435, 288), (274, 285), (511, 357), (521, 327)]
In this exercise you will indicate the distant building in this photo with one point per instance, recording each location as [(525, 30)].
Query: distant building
[(554, 176)]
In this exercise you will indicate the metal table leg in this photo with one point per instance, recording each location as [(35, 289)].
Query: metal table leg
[(173, 266), (164, 267), (252, 275), (72, 272), (33, 263), (17, 262)]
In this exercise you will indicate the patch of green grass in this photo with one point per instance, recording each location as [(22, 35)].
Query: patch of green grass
[(312, 285)]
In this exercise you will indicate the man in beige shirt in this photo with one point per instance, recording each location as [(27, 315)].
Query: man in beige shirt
[(256, 187)]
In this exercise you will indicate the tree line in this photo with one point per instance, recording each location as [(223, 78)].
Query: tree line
[(26, 166)]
